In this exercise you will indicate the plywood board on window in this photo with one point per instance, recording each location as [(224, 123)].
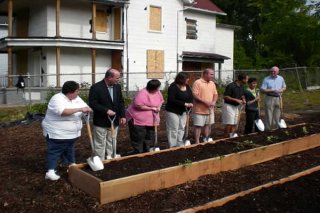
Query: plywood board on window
[(117, 24), (155, 64), (155, 18), (101, 21)]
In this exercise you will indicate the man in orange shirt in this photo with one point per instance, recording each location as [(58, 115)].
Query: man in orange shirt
[(205, 97)]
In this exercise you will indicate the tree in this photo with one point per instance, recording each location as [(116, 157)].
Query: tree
[(274, 32)]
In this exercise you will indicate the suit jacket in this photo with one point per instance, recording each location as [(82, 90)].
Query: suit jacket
[(100, 101)]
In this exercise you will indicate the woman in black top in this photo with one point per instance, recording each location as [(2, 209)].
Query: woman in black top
[(179, 100), (252, 110)]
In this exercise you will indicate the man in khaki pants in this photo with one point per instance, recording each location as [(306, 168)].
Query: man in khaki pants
[(105, 98), (273, 86), (205, 97)]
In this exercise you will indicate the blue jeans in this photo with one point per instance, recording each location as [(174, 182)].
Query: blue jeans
[(58, 148)]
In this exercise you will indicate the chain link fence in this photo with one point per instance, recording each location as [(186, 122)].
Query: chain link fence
[(296, 78)]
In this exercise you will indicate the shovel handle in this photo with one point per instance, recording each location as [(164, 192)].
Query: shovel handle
[(112, 124), (89, 128), (280, 97)]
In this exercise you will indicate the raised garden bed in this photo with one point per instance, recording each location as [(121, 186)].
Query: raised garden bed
[(187, 164), (214, 187), (300, 195)]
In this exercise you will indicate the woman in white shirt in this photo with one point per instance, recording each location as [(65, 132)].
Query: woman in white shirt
[(62, 126)]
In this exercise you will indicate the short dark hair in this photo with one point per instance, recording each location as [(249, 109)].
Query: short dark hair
[(242, 76), (252, 79), (206, 71), (69, 87), (109, 73), (153, 85), (181, 78)]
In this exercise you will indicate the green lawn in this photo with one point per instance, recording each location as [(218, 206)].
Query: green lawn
[(292, 100)]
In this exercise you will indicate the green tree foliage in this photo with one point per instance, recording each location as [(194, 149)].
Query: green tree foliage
[(272, 32)]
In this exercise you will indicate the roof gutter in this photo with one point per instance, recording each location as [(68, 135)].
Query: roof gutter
[(207, 11)]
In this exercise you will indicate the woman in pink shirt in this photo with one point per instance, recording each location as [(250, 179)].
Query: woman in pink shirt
[(143, 115)]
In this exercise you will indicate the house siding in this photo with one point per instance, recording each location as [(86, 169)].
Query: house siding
[(76, 60), (225, 46), (3, 59), (38, 21), (141, 39), (206, 33)]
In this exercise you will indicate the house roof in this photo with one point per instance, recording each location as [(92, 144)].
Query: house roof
[(207, 5), (201, 56)]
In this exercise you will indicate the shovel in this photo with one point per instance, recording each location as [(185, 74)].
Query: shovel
[(186, 130), (113, 136), (258, 121), (155, 147), (94, 162), (281, 123), (238, 116), (209, 139)]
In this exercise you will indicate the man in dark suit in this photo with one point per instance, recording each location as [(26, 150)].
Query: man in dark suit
[(106, 100)]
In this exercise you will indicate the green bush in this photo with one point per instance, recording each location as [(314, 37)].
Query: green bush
[(39, 108)]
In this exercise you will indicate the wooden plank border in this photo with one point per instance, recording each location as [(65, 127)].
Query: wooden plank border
[(224, 200), (113, 190)]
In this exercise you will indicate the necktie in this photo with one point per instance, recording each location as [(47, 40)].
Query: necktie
[(111, 92)]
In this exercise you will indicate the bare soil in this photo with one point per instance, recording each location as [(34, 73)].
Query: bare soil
[(24, 189)]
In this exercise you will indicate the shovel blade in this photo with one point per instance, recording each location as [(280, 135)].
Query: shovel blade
[(282, 124), (259, 124), (154, 149), (233, 135), (95, 163), (187, 143)]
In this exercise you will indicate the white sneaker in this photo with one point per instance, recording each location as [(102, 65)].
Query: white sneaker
[(207, 140), (109, 157), (51, 175)]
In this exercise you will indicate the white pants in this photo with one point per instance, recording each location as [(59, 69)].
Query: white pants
[(102, 141), (175, 128)]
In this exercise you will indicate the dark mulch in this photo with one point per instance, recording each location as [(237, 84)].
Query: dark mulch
[(24, 189), (137, 165), (301, 195)]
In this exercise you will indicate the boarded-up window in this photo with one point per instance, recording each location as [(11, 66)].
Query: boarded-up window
[(191, 29), (117, 23), (155, 18), (101, 21), (155, 64)]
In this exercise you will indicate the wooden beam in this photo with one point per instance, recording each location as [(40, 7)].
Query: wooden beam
[(58, 67), (93, 21), (93, 62), (57, 18), (10, 84), (10, 7)]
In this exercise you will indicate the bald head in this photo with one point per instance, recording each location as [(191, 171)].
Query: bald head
[(112, 76)]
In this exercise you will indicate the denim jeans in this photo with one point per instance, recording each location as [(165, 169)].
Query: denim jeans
[(60, 148)]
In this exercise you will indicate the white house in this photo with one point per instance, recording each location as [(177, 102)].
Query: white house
[(3, 54), (59, 40)]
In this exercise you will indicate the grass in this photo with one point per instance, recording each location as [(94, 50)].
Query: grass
[(12, 113)]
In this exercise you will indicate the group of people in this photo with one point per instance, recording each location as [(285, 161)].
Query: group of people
[(62, 124)]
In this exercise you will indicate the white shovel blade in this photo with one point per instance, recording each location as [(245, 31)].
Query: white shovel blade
[(282, 124), (233, 135), (259, 124), (95, 163), (154, 149), (187, 143)]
